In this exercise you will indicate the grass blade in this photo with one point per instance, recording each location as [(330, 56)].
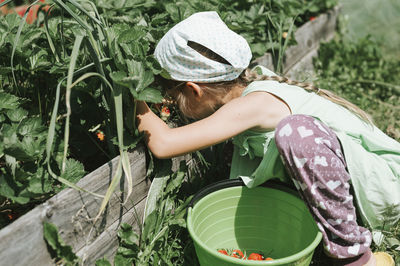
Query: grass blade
[(78, 6), (128, 173), (5, 3), (124, 156), (50, 41), (97, 61), (110, 189), (74, 15), (16, 40), (74, 56), (120, 130), (283, 47), (49, 146)]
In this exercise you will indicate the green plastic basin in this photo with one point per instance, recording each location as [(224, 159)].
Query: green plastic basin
[(267, 220)]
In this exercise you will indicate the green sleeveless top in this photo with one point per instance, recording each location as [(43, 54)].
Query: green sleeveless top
[(373, 158)]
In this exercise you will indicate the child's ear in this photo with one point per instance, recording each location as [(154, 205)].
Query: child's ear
[(194, 88)]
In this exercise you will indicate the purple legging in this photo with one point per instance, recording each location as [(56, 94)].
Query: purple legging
[(313, 156)]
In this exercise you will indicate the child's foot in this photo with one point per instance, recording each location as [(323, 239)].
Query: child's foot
[(380, 259)]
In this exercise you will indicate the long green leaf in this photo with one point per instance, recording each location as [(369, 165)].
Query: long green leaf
[(110, 189), (74, 56), (51, 130), (157, 186), (97, 61), (282, 49), (50, 41), (128, 173), (123, 161), (16, 40), (5, 3), (49, 145), (74, 15), (78, 6), (94, 7), (120, 132)]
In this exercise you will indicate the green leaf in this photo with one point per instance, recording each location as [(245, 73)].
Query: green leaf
[(153, 64), (150, 95), (8, 101), (39, 184), (120, 260), (5, 189), (31, 126), (19, 151), (74, 171), (20, 199), (51, 236), (35, 186), (127, 252), (392, 242), (31, 37), (176, 182), (147, 79), (56, 244), (16, 115), (131, 35), (149, 227), (118, 57), (32, 147), (135, 69), (158, 183), (12, 21), (103, 262), (128, 236), (121, 78)]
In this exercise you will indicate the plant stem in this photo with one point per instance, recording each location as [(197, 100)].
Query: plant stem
[(134, 115)]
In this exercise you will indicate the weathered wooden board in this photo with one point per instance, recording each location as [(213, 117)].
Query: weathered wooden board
[(73, 212), (106, 243), (309, 36), (304, 69), (21, 243)]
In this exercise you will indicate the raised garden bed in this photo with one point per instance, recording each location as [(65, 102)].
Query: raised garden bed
[(73, 212), (297, 61)]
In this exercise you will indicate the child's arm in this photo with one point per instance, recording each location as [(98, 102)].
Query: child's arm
[(238, 115)]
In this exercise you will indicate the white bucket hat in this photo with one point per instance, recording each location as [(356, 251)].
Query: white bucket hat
[(181, 62)]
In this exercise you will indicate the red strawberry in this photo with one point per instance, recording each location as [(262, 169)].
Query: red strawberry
[(236, 253), (255, 256), (223, 251)]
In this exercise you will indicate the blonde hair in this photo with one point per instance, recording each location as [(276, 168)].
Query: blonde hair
[(220, 89)]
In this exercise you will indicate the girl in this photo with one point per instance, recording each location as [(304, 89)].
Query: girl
[(280, 129)]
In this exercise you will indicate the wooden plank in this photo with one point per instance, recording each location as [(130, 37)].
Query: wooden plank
[(73, 212), (22, 241), (304, 69), (309, 36), (106, 244), (76, 220)]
